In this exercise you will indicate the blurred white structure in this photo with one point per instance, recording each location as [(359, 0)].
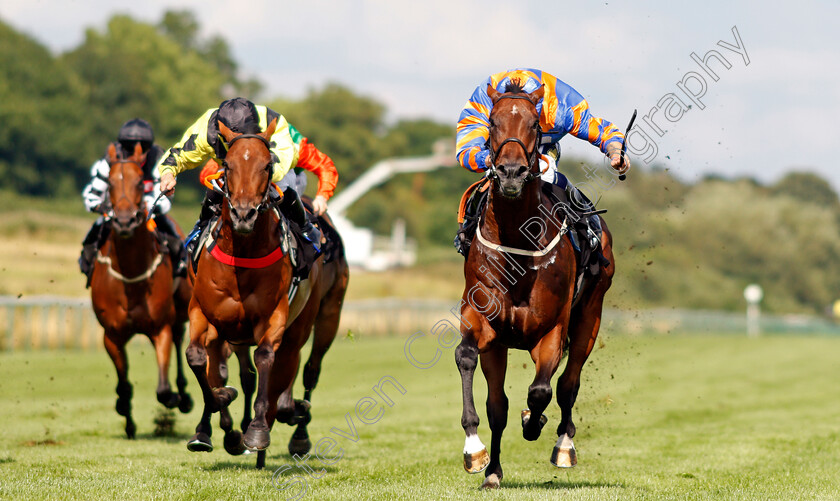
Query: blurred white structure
[(753, 294), (364, 249)]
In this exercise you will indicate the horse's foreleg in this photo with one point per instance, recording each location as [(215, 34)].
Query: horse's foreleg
[(476, 458), (217, 377), (258, 435), (494, 365), (185, 402), (546, 355), (282, 405), (162, 342), (197, 360), (586, 322), (116, 350), (248, 378)]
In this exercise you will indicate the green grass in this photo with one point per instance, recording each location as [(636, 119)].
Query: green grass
[(716, 417)]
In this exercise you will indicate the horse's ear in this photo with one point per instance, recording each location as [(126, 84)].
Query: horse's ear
[(112, 153), (493, 93), (537, 94), (225, 132), (269, 131), (138, 151)]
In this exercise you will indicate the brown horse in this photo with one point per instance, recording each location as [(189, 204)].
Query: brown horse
[(321, 314), (239, 303), (132, 289), (520, 295)]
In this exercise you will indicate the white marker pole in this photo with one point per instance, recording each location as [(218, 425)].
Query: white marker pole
[(753, 294)]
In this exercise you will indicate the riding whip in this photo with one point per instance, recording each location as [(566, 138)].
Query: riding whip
[(622, 177)]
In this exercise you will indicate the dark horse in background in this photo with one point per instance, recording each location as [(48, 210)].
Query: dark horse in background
[(518, 296), (237, 304), (133, 291)]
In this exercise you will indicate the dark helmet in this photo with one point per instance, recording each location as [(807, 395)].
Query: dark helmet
[(134, 131), (240, 115)]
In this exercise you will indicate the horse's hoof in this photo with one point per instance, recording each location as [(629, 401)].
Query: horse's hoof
[(169, 399), (185, 405), (257, 439), (302, 414), (491, 481), (224, 396), (233, 443), (200, 442), (563, 455), (531, 435), (299, 446), (476, 462), (130, 430)]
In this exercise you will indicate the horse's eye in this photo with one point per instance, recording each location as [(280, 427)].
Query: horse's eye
[(536, 125), (492, 123)]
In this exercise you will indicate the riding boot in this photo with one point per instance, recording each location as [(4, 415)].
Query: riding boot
[(90, 245), (465, 234), (211, 207), (291, 206), (586, 208), (174, 244)]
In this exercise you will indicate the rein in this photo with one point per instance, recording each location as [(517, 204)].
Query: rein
[(531, 155)]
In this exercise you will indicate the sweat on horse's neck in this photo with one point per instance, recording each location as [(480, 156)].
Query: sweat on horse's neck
[(505, 217)]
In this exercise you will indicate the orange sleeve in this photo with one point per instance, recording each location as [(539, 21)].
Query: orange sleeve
[(319, 164), (209, 169)]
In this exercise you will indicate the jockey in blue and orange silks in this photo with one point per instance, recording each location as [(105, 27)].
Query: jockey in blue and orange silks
[(562, 111)]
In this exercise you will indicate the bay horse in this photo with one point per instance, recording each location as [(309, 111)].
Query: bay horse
[(518, 296), (237, 303), (321, 314), (133, 291)]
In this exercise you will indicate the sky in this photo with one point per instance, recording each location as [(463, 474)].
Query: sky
[(766, 114)]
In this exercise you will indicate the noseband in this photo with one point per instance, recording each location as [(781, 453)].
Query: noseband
[(265, 203), (532, 155)]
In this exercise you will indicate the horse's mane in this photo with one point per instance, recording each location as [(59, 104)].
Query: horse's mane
[(514, 87)]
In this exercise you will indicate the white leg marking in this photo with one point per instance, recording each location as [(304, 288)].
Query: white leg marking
[(473, 444), (564, 442)]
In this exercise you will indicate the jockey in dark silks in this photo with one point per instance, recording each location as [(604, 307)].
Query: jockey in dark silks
[(95, 195), (562, 111), (202, 142)]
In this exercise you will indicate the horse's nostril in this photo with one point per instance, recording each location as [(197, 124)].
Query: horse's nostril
[(522, 170), (252, 213)]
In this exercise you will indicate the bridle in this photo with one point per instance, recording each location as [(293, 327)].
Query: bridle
[(532, 155), (122, 194), (265, 202)]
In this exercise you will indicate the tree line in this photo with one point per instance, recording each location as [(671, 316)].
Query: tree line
[(677, 244)]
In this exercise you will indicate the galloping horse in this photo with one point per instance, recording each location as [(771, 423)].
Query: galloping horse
[(132, 289), (322, 314), (520, 297), (241, 297)]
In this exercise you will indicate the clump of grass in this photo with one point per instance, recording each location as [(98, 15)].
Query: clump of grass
[(164, 423)]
